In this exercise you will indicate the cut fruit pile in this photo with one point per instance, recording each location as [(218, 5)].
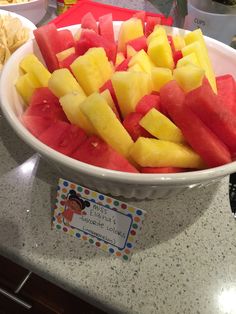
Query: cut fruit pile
[(148, 102)]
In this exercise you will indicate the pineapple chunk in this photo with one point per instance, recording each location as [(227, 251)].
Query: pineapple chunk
[(135, 68), (142, 59), (130, 51), (130, 29), (63, 82), (65, 53), (27, 61), (106, 123), (107, 96), (189, 77), (191, 58), (71, 105), (119, 58), (25, 85), (158, 31), (31, 64), (99, 57), (150, 152), (161, 127), (191, 39), (178, 42), (129, 88), (92, 69), (160, 52), (160, 76)]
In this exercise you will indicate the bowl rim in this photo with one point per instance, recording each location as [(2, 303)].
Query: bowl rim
[(151, 179)]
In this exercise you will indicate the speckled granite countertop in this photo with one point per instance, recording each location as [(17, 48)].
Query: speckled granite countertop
[(184, 262)]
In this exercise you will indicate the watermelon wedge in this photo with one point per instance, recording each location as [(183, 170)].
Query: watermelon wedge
[(96, 152), (212, 150), (63, 137), (214, 113)]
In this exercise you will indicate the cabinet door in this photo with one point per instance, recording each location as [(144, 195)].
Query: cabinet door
[(11, 274), (54, 298)]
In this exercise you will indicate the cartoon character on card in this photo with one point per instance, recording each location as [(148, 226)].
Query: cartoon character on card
[(74, 205)]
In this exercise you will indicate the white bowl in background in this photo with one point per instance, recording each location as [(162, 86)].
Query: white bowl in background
[(34, 10), (25, 22), (116, 183), (213, 23)]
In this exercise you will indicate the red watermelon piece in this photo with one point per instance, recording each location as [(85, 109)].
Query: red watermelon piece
[(151, 22), (89, 39), (162, 170), (170, 40), (177, 55), (63, 137), (216, 116), (148, 102), (105, 27), (212, 150), (226, 89), (49, 44), (88, 21), (138, 43), (131, 124), (43, 95), (123, 66), (36, 124), (96, 152), (65, 63), (66, 39), (45, 104)]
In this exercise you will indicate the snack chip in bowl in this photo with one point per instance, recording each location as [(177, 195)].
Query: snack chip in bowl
[(89, 138), (15, 30)]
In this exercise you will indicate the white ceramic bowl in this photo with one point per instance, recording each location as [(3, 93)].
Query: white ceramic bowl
[(34, 10), (116, 183)]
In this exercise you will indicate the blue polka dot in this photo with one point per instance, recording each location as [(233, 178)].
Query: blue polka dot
[(139, 212), (129, 245), (78, 235), (53, 218), (58, 187), (111, 250), (92, 200), (65, 183), (101, 197), (129, 215)]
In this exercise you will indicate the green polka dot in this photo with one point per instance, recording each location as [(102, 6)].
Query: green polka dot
[(91, 241), (116, 203), (58, 226), (63, 196), (135, 226), (79, 188), (125, 257)]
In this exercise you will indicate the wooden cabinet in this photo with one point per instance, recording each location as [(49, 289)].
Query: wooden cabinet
[(23, 292)]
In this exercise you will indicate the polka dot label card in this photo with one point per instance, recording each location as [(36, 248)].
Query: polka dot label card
[(101, 220)]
